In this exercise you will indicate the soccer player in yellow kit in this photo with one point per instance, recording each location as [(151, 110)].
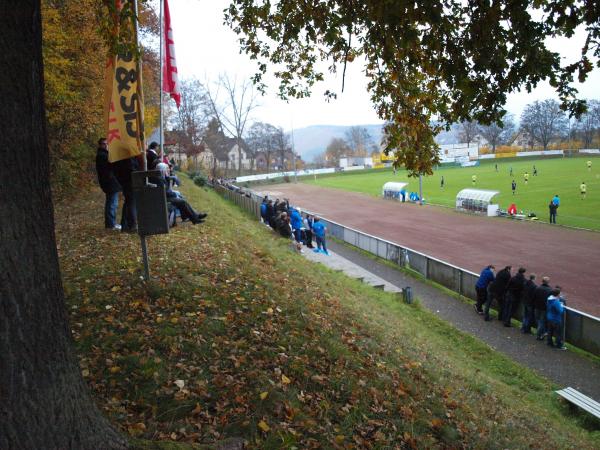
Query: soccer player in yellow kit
[(583, 190)]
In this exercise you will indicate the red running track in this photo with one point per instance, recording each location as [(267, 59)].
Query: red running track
[(571, 258)]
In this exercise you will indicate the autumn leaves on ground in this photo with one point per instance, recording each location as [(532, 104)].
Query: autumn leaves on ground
[(237, 336)]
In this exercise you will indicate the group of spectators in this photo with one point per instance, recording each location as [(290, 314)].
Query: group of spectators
[(543, 305), (116, 177), (292, 223)]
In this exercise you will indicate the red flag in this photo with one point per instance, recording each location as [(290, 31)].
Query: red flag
[(170, 81)]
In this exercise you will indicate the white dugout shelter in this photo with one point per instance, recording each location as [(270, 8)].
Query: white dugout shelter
[(392, 189), (479, 201)]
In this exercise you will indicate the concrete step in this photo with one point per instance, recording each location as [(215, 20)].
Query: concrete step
[(340, 264)]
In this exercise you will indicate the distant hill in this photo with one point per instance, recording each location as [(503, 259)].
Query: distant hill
[(312, 140)]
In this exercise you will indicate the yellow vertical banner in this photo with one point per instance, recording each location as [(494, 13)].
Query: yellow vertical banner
[(124, 106)]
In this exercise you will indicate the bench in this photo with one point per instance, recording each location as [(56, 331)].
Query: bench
[(581, 400)]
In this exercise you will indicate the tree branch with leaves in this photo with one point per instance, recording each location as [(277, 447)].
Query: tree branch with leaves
[(449, 61)]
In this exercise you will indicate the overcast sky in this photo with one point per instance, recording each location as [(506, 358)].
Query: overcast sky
[(206, 47)]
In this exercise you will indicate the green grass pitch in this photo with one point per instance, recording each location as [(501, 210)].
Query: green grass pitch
[(560, 176)]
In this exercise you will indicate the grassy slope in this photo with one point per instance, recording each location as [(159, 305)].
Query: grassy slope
[(279, 351), (562, 176)]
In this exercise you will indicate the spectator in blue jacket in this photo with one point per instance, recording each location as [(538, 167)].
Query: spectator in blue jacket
[(296, 222), (319, 230), (263, 209), (554, 316), (481, 287)]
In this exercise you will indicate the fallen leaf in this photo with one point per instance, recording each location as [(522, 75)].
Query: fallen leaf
[(263, 426), (263, 395), (285, 380)]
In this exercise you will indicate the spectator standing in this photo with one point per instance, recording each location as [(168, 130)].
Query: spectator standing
[(498, 292), (529, 305), (552, 207), (554, 316), (263, 209), (123, 170), (308, 233), (109, 185), (583, 190), (481, 287), (514, 290), (296, 222), (270, 214), (320, 230), (540, 296), (152, 158)]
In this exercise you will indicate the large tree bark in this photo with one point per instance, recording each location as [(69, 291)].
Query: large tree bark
[(44, 402)]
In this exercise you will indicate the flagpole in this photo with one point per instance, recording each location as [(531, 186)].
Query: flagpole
[(141, 133), (160, 81)]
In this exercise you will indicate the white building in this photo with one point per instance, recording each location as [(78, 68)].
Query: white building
[(349, 161), (459, 153)]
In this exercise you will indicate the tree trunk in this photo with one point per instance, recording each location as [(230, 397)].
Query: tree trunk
[(44, 400), (239, 169)]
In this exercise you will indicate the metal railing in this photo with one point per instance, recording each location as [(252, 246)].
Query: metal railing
[(580, 329)]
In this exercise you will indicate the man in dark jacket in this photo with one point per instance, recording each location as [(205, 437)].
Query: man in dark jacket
[(528, 304), (540, 296), (152, 158), (497, 291), (109, 185), (123, 170), (481, 287), (514, 291)]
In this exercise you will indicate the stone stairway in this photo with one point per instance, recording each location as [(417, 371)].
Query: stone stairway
[(341, 264)]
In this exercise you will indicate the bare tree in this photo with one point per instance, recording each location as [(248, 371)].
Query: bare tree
[(217, 142), (359, 141), (468, 131), (281, 145), (544, 121), (191, 117), (496, 134), (261, 137), (589, 123), (233, 113), (336, 148), (319, 160)]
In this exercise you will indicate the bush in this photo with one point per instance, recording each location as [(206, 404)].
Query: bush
[(200, 180), (286, 178), (193, 174)]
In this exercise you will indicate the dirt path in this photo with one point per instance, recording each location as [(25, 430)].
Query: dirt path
[(569, 257)]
